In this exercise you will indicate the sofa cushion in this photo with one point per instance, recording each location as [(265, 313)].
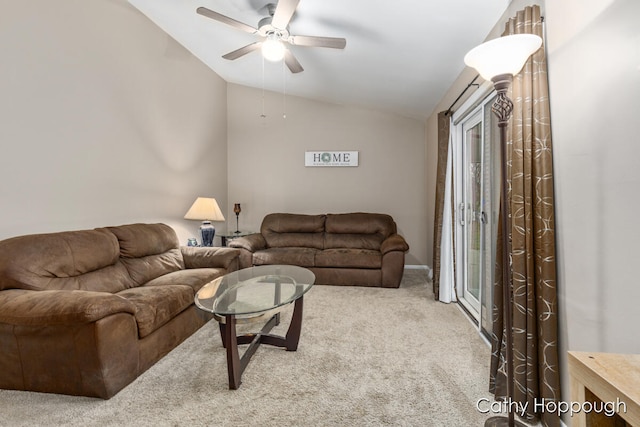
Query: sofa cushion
[(210, 257), (148, 250), (349, 258), (195, 278), (156, 305), (353, 241), (150, 267), (293, 230), (304, 257), (139, 240), (70, 260), (357, 230)]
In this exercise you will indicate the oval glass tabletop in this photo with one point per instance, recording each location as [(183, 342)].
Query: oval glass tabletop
[(254, 290)]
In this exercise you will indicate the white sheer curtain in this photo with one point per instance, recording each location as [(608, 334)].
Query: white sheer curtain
[(447, 291)]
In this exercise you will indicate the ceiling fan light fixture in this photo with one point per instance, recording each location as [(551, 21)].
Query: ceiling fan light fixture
[(273, 49)]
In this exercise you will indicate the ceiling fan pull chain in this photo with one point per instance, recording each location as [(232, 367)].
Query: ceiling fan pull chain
[(263, 115), (284, 91)]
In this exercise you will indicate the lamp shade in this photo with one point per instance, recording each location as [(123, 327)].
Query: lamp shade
[(205, 209), (504, 55)]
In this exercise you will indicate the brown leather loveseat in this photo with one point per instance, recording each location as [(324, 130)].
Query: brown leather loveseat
[(360, 249), (86, 312)]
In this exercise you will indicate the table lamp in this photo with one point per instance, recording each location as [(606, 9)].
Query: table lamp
[(205, 209)]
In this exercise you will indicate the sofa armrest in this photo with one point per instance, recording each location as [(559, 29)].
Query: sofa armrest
[(252, 242), (59, 307), (210, 257), (394, 242)]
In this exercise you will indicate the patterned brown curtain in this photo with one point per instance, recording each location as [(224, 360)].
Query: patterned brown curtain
[(531, 198), (443, 147)]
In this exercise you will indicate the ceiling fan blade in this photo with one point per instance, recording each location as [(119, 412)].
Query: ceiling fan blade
[(284, 11), (242, 51), (332, 42), (292, 63), (226, 20)]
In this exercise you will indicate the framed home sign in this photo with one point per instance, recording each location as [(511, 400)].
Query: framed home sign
[(331, 158)]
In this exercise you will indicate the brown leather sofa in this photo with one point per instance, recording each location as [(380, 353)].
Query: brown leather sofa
[(359, 249), (86, 312)]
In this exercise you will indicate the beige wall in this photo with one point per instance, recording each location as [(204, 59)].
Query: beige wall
[(104, 120), (594, 67), (267, 172)]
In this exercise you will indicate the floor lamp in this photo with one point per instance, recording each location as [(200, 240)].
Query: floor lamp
[(499, 60)]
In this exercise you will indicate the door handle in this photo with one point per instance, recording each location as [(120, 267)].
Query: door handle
[(483, 217), (461, 213)]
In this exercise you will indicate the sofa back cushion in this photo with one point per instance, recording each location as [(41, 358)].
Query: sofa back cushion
[(71, 260), (148, 250), (293, 230), (358, 230)]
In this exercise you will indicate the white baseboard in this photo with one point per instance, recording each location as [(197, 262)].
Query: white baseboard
[(420, 267)]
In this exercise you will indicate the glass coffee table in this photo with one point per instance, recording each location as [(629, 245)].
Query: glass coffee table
[(255, 294)]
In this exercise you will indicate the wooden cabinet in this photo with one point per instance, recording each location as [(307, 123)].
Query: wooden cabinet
[(604, 378)]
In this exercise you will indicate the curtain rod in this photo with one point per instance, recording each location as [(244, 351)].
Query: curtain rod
[(462, 93)]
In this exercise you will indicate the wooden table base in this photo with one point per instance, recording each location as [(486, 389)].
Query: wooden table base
[(236, 364), (605, 378)]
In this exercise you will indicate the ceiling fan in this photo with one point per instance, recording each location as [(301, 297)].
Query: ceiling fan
[(273, 31)]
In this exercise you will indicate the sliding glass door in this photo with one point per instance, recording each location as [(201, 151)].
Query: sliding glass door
[(477, 196)]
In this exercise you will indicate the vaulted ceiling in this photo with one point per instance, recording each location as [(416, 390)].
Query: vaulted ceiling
[(400, 56)]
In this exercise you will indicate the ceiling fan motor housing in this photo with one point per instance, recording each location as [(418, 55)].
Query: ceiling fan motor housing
[(265, 29)]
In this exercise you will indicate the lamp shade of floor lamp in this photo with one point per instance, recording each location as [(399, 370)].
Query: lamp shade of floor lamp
[(205, 209), (499, 60)]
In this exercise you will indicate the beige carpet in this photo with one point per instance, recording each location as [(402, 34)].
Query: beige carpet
[(367, 357)]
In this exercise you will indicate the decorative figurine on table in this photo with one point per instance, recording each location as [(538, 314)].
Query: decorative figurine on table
[(237, 210)]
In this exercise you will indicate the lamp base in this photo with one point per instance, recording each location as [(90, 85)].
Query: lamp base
[(501, 421), (207, 233)]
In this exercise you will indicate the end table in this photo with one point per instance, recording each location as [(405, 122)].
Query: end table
[(230, 235)]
